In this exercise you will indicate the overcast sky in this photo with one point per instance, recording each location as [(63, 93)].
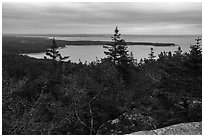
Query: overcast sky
[(101, 18)]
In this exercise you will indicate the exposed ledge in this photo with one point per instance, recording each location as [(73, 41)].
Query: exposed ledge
[(193, 128)]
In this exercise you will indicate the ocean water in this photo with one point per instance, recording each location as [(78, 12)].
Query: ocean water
[(91, 53)]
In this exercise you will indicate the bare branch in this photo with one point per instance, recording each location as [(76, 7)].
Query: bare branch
[(51, 127), (92, 120), (79, 119)]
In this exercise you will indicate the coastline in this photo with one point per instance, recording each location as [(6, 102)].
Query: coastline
[(109, 42)]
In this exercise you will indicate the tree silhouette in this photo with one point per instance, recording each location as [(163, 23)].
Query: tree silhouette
[(151, 55), (194, 59), (117, 50), (54, 53), (179, 51), (196, 49), (55, 77)]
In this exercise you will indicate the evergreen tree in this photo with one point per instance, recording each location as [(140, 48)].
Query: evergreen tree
[(179, 51), (117, 50), (133, 60), (196, 49), (54, 53), (194, 59), (194, 68), (55, 78), (178, 57), (151, 55)]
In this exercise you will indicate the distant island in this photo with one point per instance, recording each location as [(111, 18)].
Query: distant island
[(109, 42)]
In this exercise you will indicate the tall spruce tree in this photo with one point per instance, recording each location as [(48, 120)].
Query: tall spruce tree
[(194, 63), (117, 49), (54, 53), (55, 77), (195, 57)]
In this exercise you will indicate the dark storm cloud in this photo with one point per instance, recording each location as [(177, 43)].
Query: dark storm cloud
[(134, 18)]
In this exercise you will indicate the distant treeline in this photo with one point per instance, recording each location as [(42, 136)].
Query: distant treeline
[(18, 45)]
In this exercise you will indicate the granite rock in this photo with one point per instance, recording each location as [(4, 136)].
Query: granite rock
[(193, 128)]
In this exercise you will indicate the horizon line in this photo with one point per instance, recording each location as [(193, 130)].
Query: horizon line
[(98, 34)]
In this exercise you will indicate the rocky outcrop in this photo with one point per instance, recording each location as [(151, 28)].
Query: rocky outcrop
[(194, 128), (147, 119), (127, 123)]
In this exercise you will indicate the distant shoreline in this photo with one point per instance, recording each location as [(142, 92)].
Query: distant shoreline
[(81, 43)]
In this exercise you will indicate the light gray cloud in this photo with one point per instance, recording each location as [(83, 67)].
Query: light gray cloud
[(86, 17)]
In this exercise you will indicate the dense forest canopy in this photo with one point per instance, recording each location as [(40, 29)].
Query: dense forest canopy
[(114, 95)]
